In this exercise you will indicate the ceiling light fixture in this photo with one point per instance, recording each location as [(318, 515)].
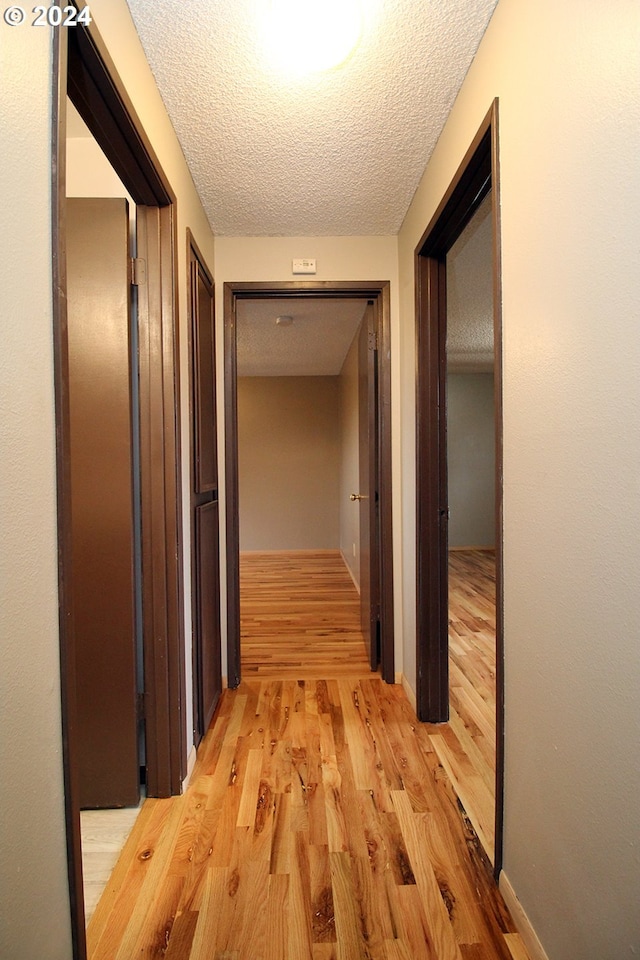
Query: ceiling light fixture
[(309, 37), (284, 321)]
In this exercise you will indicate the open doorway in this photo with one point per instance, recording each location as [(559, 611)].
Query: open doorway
[(371, 314), (81, 73), (104, 455), (459, 485), (299, 481), (470, 747)]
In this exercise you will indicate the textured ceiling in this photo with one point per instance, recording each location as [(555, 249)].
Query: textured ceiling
[(470, 296), (314, 345), (334, 153)]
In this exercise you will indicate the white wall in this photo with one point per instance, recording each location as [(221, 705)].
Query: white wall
[(288, 463), (34, 922), (567, 78), (349, 462)]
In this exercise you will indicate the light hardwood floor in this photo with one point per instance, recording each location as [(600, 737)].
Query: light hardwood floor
[(299, 615), (321, 824), (466, 745), (104, 834)]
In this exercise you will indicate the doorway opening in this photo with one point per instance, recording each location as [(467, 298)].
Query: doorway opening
[(369, 312), (105, 476), (442, 482), (84, 73)]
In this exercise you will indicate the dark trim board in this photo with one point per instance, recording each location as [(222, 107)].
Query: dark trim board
[(378, 291), (476, 176), (82, 67)]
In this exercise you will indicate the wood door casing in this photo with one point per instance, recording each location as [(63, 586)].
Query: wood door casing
[(368, 485), (207, 651), (98, 297), (379, 292), (208, 611), (476, 176), (83, 69), (204, 394)]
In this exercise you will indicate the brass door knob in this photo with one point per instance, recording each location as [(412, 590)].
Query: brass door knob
[(358, 496)]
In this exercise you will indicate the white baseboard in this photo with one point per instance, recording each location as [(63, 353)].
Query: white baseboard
[(523, 924), (411, 697), (346, 563), (191, 762)]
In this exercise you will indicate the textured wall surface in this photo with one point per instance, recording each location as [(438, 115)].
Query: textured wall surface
[(569, 100), (334, 153), (34, 908)]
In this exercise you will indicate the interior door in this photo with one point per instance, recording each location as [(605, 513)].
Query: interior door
[(100, 430), (368, 470), (204, 500)]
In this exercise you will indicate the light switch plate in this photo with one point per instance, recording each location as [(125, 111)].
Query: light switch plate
[(304, 266)]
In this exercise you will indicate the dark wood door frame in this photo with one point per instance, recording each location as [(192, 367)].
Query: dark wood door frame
[(476, 176), (83, 69), (203, 495), (378, 291), (368, 452)]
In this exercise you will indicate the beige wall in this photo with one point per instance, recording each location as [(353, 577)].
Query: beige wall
[(34, 923), (567, 78), (349, 462), (89, 173), (471, 459), (288, 463), (33, 873)]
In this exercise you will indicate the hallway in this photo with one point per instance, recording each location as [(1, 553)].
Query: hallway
[(320, 825), (321, 822), (299, 616)]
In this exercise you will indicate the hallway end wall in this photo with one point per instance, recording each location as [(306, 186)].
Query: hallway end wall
[(288, 463)]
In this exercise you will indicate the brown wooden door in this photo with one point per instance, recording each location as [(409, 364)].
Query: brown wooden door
[(100, 429), (204, 500), (368, 471)]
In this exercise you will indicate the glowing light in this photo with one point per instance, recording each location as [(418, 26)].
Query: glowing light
[(302, 37)]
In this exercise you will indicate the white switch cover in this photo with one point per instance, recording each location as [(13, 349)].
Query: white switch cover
[(304, 266)]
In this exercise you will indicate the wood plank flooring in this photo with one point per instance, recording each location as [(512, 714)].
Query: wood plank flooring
[(300, 616), (466, 746), (320, 825), (299, 612), (104, 834), (322, 822)]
